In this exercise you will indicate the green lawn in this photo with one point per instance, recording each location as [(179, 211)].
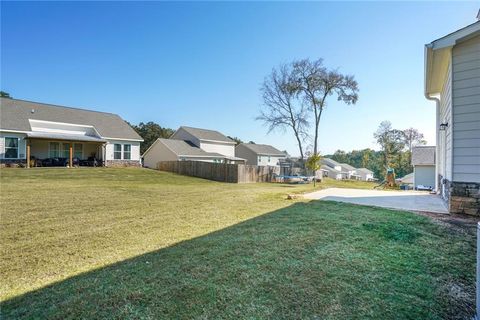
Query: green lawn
[(141, 244)]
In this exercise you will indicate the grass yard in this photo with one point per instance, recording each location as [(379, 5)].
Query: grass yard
[(141, 244)]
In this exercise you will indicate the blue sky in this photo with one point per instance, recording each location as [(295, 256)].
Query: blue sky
[(202, 64)]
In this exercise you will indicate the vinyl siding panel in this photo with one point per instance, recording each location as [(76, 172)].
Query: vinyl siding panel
[(466, 110), (466, 75), (466, 83), (473, 160), (225, 149), (467, 177), (243, 152), (158, 152), (445, 138)]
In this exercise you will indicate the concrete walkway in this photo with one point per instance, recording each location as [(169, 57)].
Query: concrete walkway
[(402, 200)]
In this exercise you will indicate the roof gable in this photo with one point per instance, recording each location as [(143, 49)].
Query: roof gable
[(207, 135), (424, 155), (263, 149), (16, 115), (185, 148)]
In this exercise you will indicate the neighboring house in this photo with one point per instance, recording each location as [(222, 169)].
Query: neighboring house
[(32, 130), (452, 79), (423, 162), (207, 140), (407, 179), (331, 163), (365, 174), (260, 154), (339, 172), (192, 144), (332, 173), (350, 170), (177, 150)]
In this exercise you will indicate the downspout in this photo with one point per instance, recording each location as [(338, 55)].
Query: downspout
[(428, 66), (437, 137)]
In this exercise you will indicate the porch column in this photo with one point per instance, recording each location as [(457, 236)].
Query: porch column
[(70, 156), (28, 153)]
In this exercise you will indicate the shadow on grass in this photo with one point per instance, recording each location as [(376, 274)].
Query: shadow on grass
[(309, 260)]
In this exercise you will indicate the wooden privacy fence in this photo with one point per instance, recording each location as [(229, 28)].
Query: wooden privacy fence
[(233, 173)]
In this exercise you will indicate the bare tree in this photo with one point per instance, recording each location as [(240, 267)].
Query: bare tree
[(315, 83), (413, 138), (281, 108)]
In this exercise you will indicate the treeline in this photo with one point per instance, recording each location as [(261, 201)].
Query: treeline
[(374, 160), (396, 151), (150, 132)]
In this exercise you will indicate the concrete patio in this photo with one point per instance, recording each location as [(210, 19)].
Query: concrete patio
[(402, 200)]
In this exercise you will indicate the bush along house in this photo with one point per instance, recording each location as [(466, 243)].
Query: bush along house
[(39, 134)]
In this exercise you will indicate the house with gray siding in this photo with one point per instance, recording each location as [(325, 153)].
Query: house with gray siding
[(192, 144), (452, 81), (33, 131), (423, 162), (260, 154)]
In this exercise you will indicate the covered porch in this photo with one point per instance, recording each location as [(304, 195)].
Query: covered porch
[(63, 150)]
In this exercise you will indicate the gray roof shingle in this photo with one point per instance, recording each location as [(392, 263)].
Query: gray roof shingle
[(423, 155), (206, 134), (264, 149), (329, 162), (347, 166), (184, 148), (14, 115), (365, 170)]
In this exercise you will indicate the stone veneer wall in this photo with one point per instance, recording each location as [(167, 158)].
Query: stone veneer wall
[(122, 163), (13, 163), (464, 198)]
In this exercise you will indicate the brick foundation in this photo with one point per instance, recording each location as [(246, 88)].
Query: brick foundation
[(13, 163), (122, 163), (464, 198)]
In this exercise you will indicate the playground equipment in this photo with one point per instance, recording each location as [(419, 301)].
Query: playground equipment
[(389, 181)]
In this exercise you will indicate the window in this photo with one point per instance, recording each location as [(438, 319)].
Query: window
[(54, 150), (65, 150), (268, 159), (11, 148), (259, 159), (78, 150), (127, 151), (117, 151)]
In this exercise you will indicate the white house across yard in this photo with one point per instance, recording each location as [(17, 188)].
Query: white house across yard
[(39, 134)]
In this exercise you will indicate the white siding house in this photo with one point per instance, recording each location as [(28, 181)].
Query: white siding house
[(37, 131), (452, 79), (365, 174)]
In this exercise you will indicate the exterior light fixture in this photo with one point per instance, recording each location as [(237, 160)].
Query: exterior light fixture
[(443, 126)]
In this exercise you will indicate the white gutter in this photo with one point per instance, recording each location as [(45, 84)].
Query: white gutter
[(437, 136)]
